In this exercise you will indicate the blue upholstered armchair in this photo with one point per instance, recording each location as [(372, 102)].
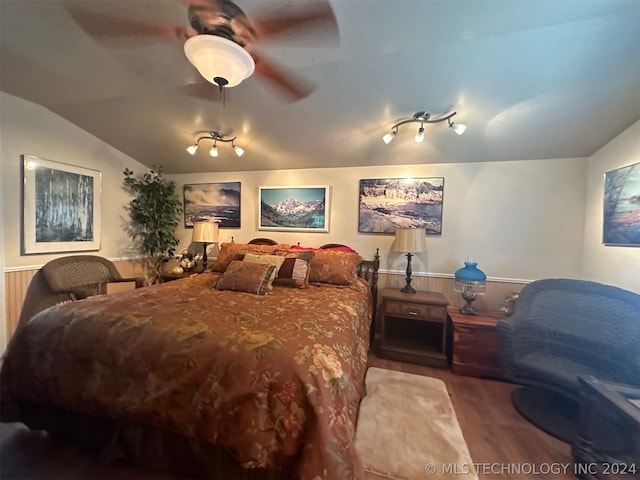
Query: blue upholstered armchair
[(563, 328)]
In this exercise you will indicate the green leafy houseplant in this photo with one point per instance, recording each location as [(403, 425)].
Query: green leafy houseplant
[(155, 213)]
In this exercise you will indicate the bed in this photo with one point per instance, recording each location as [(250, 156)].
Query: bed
[(249, 369)]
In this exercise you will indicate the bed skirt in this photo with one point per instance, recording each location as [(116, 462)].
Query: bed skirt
[(141, 445)]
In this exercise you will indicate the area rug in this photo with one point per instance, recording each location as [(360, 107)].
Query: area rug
[(407, 429)]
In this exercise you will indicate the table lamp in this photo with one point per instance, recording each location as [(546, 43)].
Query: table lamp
[(410, 240), (471, 282), (205, 233)]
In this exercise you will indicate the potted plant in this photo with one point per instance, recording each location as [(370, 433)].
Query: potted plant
[(155, 213)]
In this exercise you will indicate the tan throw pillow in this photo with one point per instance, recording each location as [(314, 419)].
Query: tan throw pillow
[(274, 260), (228, 250), (249, 277)]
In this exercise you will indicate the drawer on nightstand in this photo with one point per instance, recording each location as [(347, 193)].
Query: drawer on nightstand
[(414, 310)]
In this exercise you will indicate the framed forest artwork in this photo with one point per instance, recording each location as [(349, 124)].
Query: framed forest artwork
[(621, 210), (61, 207), (388, 203)]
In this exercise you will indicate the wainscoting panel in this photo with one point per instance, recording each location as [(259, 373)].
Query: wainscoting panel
[(16, 284), (493, 299)]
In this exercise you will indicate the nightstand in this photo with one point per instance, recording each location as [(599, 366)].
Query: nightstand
[(475, 343), (414, 327)]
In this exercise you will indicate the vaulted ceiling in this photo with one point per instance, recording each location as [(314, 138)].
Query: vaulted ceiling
[(532, 79)]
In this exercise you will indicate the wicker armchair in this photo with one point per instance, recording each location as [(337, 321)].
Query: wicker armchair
[(564, 328), (69, 278)]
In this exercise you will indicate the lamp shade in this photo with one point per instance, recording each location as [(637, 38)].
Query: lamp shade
[(470, 272), (410, 240), (217, 57), (205, 232)]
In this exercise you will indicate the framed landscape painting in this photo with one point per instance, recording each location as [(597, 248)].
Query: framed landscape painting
[(621, 224), (302, 209), (212, 202), (388, 203), (61, 207)]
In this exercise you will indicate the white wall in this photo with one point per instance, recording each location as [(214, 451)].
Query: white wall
[(27, 128), (519, 220), (614, 265)]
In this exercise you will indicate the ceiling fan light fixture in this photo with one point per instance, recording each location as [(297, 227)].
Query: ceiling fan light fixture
[(218, 58), (192, 149)]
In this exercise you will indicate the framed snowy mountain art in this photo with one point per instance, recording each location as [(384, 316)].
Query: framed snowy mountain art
[(388, 203), (301, 209)]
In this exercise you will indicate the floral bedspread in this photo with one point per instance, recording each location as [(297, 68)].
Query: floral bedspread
[(276, 379)]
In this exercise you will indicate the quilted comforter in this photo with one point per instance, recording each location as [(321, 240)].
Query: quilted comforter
[(276, 380)]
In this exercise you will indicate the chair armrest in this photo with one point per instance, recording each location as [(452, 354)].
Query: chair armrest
[(506, 337)]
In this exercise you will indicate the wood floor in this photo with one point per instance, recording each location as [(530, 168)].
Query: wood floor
[(501, 442)]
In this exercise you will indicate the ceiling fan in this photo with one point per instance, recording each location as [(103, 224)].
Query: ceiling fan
[(220, 40)]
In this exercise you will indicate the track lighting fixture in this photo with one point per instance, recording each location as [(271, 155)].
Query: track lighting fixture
[(424, 117), (215, 137)]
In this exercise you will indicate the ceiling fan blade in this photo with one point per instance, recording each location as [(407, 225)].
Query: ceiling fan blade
[(290, 85), (297, 19), (107, 26)]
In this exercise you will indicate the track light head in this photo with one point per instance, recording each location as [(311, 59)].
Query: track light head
[(459, 128), (420, 135), (214, 151), (192, 149), (390, 136), (239, 151)]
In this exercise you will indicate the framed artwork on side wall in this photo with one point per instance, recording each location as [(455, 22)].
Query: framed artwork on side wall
[(388, 203), (61, 207), (621, 225), (212, 202), (301, 209)]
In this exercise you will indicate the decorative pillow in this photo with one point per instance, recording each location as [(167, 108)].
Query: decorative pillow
[(295, 269), (228, 250), (275, 260), (334, 266), (247, 277)]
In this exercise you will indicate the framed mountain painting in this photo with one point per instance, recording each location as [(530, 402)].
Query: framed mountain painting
[(301, 209), (389, 203)]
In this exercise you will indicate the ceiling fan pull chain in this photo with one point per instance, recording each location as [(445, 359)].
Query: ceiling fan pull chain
[(221, 82)]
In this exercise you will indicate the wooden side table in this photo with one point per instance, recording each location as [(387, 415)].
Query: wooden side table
[(414, 327), (475, 343), (168, 277), (607, 444)]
